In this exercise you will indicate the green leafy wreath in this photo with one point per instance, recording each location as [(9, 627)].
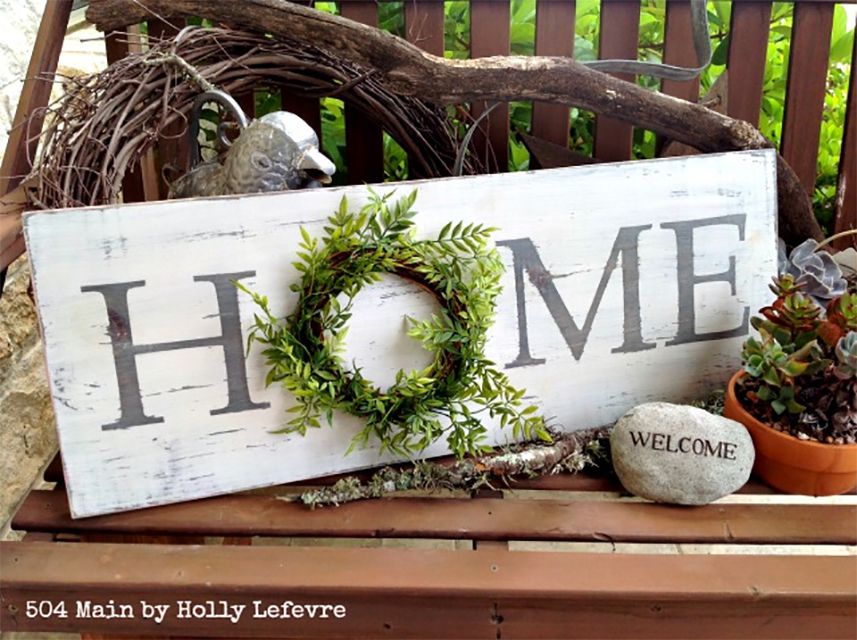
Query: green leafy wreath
[(460, 268)]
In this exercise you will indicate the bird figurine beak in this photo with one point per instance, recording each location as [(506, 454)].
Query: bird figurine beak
[(317, 166)]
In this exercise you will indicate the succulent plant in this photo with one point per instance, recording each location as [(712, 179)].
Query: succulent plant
[(815, 271), (844, 420), (846, 357), (801, 373), (776, 369), (842, 311)]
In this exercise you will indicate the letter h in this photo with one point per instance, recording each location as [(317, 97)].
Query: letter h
[(125, 351)]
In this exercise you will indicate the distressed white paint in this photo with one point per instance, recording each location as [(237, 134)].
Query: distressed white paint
[(572, 216)]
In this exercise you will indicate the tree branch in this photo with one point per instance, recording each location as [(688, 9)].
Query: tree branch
[(410, 71)]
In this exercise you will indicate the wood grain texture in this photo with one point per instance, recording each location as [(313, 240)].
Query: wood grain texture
[(577, 482), (748, 44), (424, 25), (480, 594), (554, 37), (808, 60), (364, 143), (565, 315), (489, 36), (460, 518), (140, 183), (38, 83), (679, 51), (618, 38), (171, 157)]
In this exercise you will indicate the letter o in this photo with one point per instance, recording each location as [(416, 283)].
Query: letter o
[(701, 447)]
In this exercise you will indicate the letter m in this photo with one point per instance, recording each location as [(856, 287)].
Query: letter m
[(526, 259)]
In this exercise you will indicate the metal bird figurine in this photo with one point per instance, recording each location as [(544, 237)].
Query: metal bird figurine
[(277, 152)]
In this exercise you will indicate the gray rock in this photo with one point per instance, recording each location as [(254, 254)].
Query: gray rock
[(680, 454)]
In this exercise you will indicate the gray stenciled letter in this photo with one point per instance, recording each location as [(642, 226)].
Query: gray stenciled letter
[(687, 280), (526, 258), (125, 351)]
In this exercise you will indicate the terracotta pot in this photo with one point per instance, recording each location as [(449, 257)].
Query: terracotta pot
[(792, 465)]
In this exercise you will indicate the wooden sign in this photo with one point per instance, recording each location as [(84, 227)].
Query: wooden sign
[(625, 283)]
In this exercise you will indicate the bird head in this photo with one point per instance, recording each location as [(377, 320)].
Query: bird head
[(277, 152)]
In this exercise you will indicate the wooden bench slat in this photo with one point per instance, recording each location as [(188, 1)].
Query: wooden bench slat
[(846, 196), (807, 80), (364, 142), (583, 481), (554, 37), (489, 36), (618, 38), (451, 518), (424, 25), (487, 593), (748, 45)]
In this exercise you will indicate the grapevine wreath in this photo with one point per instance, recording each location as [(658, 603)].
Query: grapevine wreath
[(460, 269)]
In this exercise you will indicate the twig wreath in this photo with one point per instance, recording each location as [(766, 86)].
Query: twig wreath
[(460, 268)]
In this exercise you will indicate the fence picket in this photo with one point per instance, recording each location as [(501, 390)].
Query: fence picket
[(140, 182), (678, 49), (748, 44), (808, 60), (619, 35), (554, 37), (846, 191), (489, 36), (364, 143), (172, 144), (424, 25)]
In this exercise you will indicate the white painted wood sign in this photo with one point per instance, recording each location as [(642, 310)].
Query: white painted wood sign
[(625, 283)]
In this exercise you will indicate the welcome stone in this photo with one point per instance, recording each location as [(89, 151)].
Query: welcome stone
[(680, 454)]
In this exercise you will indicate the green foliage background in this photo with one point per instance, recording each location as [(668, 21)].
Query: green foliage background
[(652, 20)]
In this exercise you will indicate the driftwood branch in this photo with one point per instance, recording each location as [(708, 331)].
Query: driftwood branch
[(410, 71), (569, 453)]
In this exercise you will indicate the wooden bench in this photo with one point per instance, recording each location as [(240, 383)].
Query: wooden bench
[(564, 556), (484, 565)]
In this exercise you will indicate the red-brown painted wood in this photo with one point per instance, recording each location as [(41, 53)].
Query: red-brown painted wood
[(678, 49), (554, 37), (846, 191), (247, 101), (411, 593), (808, 59), (309, 109), (583, 481), (424, 25), (618, 39), (489, 36), (35, 95), (364, 143), (453, 518), (172, 146), (748, 44), (140, 182)]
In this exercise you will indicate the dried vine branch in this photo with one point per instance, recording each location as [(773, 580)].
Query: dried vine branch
[(409, 71), (570, 452), (106, 122)]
